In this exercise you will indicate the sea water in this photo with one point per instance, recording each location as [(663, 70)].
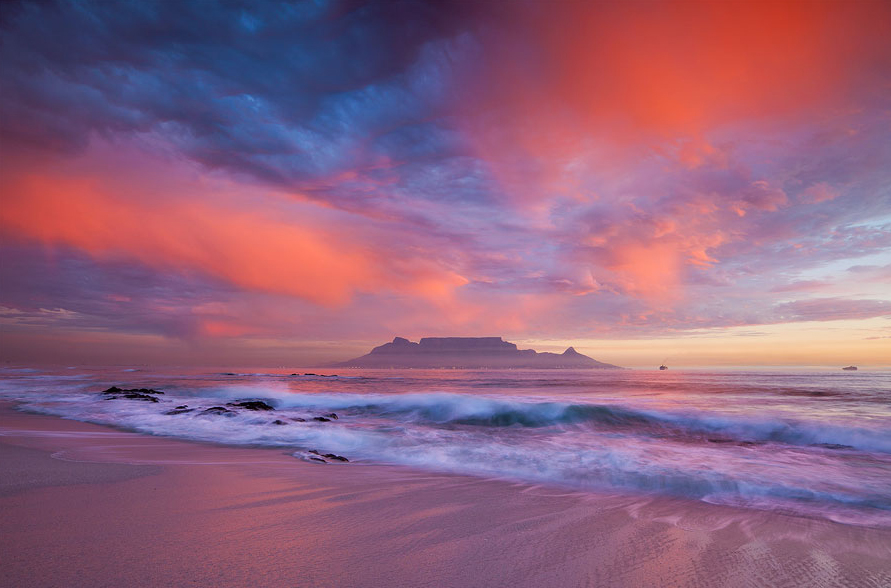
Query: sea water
[(816, 443)]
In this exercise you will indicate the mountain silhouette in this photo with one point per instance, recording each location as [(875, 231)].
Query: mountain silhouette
[(469, 353)]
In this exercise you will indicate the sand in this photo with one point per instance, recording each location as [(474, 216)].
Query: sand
[(84, 505)]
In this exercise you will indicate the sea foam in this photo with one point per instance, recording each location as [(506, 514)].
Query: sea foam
[(636, 443)]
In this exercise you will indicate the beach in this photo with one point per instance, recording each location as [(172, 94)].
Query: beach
[(87, 505)]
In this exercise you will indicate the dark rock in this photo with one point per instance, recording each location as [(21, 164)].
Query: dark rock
[(332, 416), (318, 459), (218, 410), (116, 390), (298, 419), (321, 419), (327, 455), (831, 446), (179, 410), (182, 406), (136, 396), (141, 397), (279, 422), (251, 405)]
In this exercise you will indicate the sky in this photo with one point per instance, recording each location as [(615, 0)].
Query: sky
[(290, 183)]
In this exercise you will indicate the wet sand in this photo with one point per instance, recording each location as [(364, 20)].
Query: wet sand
[(85, 505)]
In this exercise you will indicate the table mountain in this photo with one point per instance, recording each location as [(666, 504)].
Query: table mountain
[(468, 353)]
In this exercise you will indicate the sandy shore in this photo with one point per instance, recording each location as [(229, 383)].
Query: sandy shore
[(84, 505)]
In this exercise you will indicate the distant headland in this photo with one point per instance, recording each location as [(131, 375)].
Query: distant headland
[(468, 353)]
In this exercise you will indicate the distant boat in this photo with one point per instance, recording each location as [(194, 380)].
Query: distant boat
[(850, 368), (665, 367)]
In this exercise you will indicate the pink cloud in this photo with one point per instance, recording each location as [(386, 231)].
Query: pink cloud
[(159, 214), (819, 192), (761, 196)]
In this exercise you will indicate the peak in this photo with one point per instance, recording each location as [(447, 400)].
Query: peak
[(468, 353)]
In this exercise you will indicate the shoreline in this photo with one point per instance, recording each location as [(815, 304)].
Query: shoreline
[(89, 505)]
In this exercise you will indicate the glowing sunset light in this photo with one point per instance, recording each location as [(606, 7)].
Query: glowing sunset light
[(287, 185)]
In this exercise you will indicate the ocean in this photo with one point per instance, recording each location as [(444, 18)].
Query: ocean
[(812, 443)]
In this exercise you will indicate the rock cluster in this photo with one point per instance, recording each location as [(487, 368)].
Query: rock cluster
[(150, 395), (251, 405), (146, 394)]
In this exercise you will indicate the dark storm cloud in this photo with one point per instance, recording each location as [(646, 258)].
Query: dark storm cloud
[(286, 92)]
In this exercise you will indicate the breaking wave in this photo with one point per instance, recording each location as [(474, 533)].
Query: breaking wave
[(481, 411), (712, 455)]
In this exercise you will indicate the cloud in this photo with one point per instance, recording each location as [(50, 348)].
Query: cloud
[(282, 93), (876, 273), (759, 196), (802, 286), (819, 192), (229, 232), (831, 309), (351, 169)]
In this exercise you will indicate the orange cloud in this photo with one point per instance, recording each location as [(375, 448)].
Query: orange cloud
[(681, 66), (581, 93), (602, 82), (250, 249), (291, 251), (819, 192), (650, 270), (226, 329)]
